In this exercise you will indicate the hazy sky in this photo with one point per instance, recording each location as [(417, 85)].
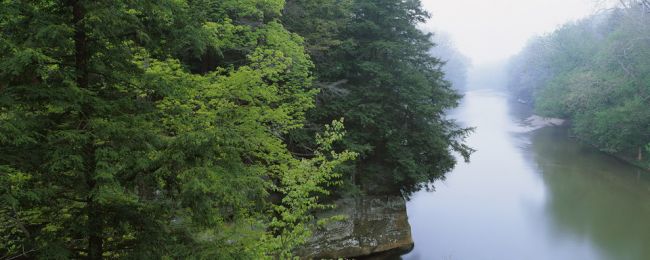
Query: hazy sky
[(492, 30)]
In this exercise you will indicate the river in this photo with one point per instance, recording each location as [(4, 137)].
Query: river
[(530, 195)]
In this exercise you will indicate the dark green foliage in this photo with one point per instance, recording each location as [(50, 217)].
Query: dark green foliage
[(378, 74), (140, 129), (597, 73), (158, 129)]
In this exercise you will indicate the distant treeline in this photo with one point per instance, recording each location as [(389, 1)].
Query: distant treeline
[(456, 64), (595, 72), (208, 129)]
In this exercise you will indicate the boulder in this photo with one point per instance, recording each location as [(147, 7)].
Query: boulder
[(539, 122)]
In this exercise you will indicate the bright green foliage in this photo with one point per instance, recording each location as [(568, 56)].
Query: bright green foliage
[(378, 74), (138, 129), (298, 182), (597, 73)]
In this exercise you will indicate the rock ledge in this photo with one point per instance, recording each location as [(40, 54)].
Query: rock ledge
[(374, 224)]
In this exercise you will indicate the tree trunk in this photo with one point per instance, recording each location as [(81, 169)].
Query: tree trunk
[(93, 210), (640, 154), (95, 239)]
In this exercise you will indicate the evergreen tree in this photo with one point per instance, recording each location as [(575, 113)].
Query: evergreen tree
[(138, 129), (379, 75)]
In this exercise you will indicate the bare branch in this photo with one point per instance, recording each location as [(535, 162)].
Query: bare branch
[(334, 87)]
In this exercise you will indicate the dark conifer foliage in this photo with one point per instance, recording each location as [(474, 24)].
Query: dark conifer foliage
[(152, 129), (376, 71), (178, 128)]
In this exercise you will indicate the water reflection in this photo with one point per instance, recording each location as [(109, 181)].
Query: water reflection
[(594, 197), (530, 195)]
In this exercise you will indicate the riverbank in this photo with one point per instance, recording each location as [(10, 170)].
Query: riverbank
[(536, 122), (629, 159)]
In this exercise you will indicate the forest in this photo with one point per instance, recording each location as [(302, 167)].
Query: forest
[(215, 129), (595, 72)]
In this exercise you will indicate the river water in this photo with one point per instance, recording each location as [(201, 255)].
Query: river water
[(530, 195)]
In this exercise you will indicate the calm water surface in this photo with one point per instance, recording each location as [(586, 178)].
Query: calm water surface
[(530, 195)]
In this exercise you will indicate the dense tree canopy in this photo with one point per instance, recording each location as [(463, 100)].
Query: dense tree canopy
[(195, 129), (378, 73), (153, 129), (597, 73)]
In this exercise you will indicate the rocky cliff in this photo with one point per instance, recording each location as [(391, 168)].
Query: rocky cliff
[(374, 224)]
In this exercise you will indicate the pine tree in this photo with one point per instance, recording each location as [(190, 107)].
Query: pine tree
[(379, 75), (137, 129)]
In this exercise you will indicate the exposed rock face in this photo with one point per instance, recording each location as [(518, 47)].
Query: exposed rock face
[(375, 224), (539, 122)]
